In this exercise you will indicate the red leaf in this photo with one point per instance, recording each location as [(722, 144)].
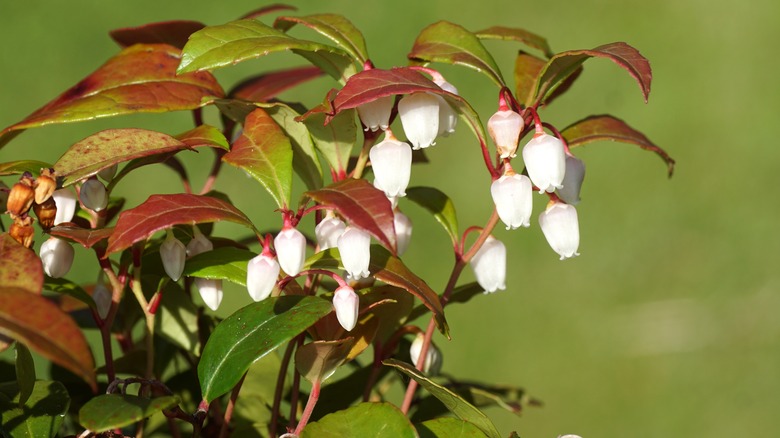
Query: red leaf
[(527, 71), (174, 33), (608, 128), (42, 326), (361, 204), (19, 266), (164, 211), (267, 86), (85, 236)]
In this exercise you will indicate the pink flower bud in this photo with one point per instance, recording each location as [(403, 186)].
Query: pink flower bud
[(199, 243), (403, 231), (391, 161), (93, 195), (261, 275), (328, 231), (57, 257), (572, 180), (545, 160), (433, 358), (513, 196), (66, 202), (346, 303), (448, 117), (561, 228), (504, 128), (210, 291), (102, 298), (375, 115), (290, 247), (173, 253), (489, 265), (419, 114), (355, 250)]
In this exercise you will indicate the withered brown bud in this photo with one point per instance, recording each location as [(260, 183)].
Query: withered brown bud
[(22, 231), (45, 185), (46, 212), (21, 197)]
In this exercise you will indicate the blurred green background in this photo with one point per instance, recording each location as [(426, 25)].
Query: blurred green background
[(667, 324)]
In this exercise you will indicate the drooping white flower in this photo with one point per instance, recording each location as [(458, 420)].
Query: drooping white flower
[(513, 196), (173, 253), (347, 304), (290, 245), (355, 250), (375, 115), (199, 243), (328, 231), (504, 128), (448, 117), (108, 173), (261, 275), (93, 195), (545, 160), (403, 231), (489, 265), (419, 114), (102, 298), (210, 291), (433, 358), (391, 161), (66, 201), (561, 228), (56, 257), (572, 180)]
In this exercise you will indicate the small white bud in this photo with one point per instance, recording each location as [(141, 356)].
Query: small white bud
[(561, 228), (513, 196), (489, 265), (545, 160), (375, 115), (93, 195), (448, 117), (355, 250), (572, 180), (433, 358), (419, 114), (56, 257), (199, 243), (173, 253), (261, 275), (210, 291), (108, 173), (290, 245), (347, 304), (66, 201), (403, 231), (328, 231), (391, 161), (102, 298), (504, 128)]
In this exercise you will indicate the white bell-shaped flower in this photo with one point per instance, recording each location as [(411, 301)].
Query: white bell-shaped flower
[(210, 291), (290, 245), (448, 117), (328, 231), (57, 257), (419, 114), (375, 115), (513, 196), (403, 231), (572, 180), (391, 161), (561, 228), (433, 358), (504, 128), (66, 201), (261, 275), (199, 243), (545, 160), (355, 250), (108, 173), (173, 254), (102, 298), (93, 195), (489, 265), (347, 305)]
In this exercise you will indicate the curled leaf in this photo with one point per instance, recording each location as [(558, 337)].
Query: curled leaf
[(174, 33), (335, 27)]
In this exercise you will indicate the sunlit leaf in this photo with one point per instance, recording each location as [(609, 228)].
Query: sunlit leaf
[(516, 34), (336, 139), (306, 163), (266, 86), (440, 205), (528, 68), (19, 266), (25, 372), (21, 166), (447, 427), (376, 420), (318, 360), (40, 416), (226, 263), (335, 27), (177, 318), (204, 135), (113, 411), (174, 33)]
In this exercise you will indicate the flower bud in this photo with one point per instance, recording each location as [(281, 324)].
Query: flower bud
[(513, 196), (173, 253), (376, 114), (433, 358), (44, 186), (504, 128), (46, 213), (489, 265), (346, 303), (290, 245), (102, 298), (391, 161), (56, 257), (419, 114), (572, 180), (545, 160), (22, 231), (210, 291), (93, 195), (261, 275), (328, 231), (355, 250), (108, 173), (561, 228), (448, 117), (403, 231), (66, 205), (21, 197), (199, 243)]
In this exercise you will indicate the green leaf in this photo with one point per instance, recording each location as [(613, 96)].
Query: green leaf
[(114, 411), (450, 43), (336, 139), (376, 420), (257, 391), (19, 266), (391, 312), (40, 416), (447, 427), (306, 163), (440, 205), (251, 333), (528, 68), (515, 34), (67, 287), (318, 360), (19, 167), (25, 372), (265, 153), (456, 404), (335, 27), (177, 318), (204, 135), (226, 263)]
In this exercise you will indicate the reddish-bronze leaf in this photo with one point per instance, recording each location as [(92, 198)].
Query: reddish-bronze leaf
[(164, 211), (362, 205), (514, 34), (608, 128), (265, 87), (174, 33), (142, 78), (204, 135), (42, 326), (85, 236), (527, 71), (19, 266)]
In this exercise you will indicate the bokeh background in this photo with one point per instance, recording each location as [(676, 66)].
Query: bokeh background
[(667, 324)]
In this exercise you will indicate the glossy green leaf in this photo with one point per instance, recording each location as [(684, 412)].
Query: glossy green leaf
[(141, 78), (25, 372), (43, 327), (249, 334), (447, 427), (376, 420), (114, 411), (440, 205), (67, 287), (21, 166), (456, 404), (265, 153), (609, 128), (177, 318), (335, 27), (318, 360), (450, 43), (204, 135), (336, 139), (19, 266), (306, 163), (528, 68), (516, 34), (226, 263), (40, 416)]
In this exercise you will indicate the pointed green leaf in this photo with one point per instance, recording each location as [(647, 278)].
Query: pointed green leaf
[(376, 420), (447, 427), (515, 34), (21, 166), (204, 135), (25, 372), (335, 27), (336, 139), (114, 411), (19, 266), (40, 416), (251, 333), (306, 163), (440, 205), (226, 263), (177, 318), (318, 360)]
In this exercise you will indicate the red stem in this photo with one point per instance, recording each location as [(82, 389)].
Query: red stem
[(279, 388), (313, 397)]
